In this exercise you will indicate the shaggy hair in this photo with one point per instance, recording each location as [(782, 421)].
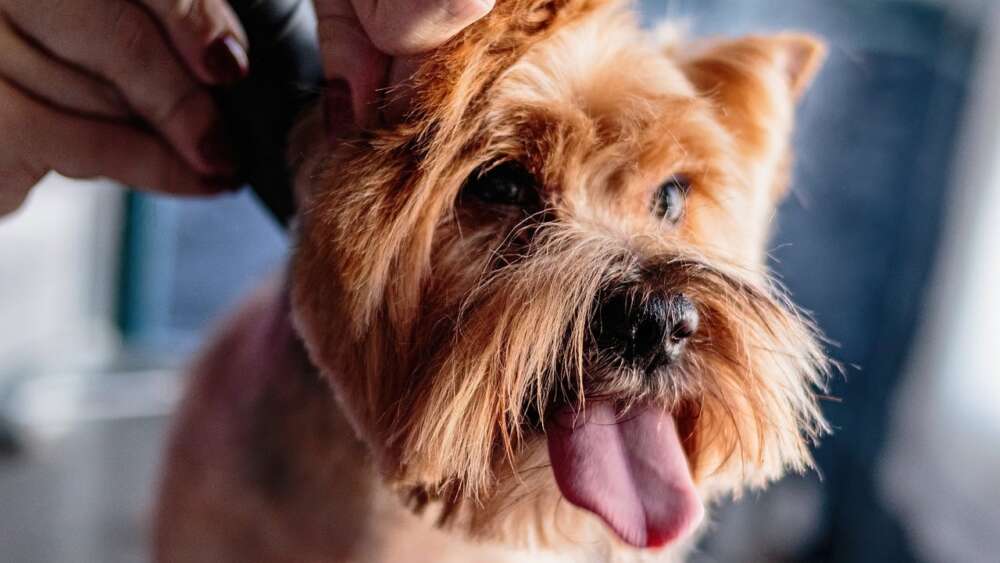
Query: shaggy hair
[(449, 329)]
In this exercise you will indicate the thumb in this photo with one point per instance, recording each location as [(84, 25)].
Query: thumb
[(407, 27)]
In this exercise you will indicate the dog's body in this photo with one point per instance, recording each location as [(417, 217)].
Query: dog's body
[(531, 322)]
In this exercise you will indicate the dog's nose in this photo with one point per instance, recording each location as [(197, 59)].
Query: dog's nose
[(645, 331)]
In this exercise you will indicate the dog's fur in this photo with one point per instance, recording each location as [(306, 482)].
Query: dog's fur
[(443, 331)]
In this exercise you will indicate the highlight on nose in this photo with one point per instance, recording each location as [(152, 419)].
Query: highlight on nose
[(646, 331)]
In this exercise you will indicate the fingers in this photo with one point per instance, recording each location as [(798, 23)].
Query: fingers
[(123, 43), (357, 35), (407, 27), (81, 147), (57, 83), (207, 35)]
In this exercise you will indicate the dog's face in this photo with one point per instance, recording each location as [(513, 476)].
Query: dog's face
[(548, 281)]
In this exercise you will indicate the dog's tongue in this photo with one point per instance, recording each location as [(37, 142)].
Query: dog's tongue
[(632, 473)]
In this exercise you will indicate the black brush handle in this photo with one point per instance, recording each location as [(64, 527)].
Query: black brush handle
[(285, 75)]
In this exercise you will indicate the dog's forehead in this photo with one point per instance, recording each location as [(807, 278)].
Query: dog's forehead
[(601, 66), (607, 95)]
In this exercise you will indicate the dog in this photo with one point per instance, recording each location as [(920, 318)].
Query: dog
[(530, 321)]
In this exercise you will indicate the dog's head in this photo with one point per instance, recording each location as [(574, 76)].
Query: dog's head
[(548, 281)]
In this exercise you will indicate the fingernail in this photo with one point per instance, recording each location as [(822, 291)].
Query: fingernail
[(226, 60), (216, 151)]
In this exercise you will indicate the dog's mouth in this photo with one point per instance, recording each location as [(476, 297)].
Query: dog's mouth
[(629, 469)]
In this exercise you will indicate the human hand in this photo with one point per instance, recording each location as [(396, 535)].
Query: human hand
[(116, 88), (370, 44)]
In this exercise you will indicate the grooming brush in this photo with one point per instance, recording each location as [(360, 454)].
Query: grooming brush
[(285, 76)]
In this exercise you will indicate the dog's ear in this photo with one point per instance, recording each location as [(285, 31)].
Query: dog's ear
[(801, 56), (754, 83), (789, 60)]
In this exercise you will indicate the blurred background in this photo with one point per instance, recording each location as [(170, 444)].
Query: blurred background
[(890, 238)]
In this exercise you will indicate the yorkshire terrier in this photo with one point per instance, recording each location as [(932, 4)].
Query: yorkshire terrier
[(531, 321)]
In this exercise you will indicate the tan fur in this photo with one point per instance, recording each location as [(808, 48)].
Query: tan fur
[(439, 324)]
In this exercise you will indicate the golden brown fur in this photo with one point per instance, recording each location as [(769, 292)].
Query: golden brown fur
[(448, 329)]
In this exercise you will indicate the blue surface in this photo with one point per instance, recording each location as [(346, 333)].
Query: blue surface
[(187, 261)]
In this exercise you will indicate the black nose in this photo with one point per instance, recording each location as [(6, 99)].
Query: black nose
[(645, 331)]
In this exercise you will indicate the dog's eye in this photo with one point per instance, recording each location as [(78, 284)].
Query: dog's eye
[(669, 202), (507, 183)]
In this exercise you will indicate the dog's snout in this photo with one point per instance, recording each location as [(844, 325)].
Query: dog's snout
[(645, 331)]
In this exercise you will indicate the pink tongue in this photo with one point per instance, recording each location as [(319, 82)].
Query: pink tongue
[(632, 473)]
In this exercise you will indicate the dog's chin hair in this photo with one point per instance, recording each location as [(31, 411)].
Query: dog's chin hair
[(525, 510)]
